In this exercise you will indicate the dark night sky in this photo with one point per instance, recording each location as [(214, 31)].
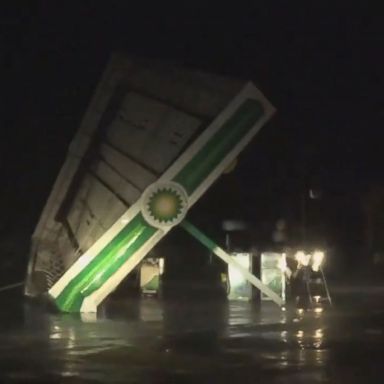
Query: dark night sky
[(321, 65)]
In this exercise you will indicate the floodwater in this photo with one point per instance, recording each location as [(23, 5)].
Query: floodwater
[(194, 341)]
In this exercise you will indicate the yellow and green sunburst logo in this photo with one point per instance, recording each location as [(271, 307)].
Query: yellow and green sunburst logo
[(164, 204)]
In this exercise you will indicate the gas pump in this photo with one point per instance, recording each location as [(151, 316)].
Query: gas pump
[(151, 270)]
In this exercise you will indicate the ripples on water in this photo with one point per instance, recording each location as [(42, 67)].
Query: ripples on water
[(150, 341)]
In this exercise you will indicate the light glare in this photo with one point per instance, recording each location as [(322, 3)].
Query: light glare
[(302, 258), (317, 260)]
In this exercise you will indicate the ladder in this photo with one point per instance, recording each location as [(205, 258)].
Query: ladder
[(317, 288)]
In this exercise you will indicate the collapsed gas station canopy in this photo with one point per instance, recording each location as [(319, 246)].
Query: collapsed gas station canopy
[(152, 141)]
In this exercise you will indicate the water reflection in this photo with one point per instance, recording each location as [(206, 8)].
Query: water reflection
[(310, 338), (145, 340), (194, 327), (72, 345), (138, 335)]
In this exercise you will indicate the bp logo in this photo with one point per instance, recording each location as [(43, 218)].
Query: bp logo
[(164, 204)]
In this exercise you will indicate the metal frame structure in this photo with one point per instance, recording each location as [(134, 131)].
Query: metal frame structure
[(163, 205)]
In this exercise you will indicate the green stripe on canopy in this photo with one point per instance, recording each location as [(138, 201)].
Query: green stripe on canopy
[(137, 232)]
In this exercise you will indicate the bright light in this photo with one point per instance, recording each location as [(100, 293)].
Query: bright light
[(300, 311), (317, 260), (236, 277), (299, 256), (282, 263), (300, 334), (302, 258), (318, 310), (318, 257), (161, 265), (317, 299), (319, 333)]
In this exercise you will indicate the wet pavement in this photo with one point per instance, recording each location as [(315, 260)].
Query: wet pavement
[(194, 341)]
